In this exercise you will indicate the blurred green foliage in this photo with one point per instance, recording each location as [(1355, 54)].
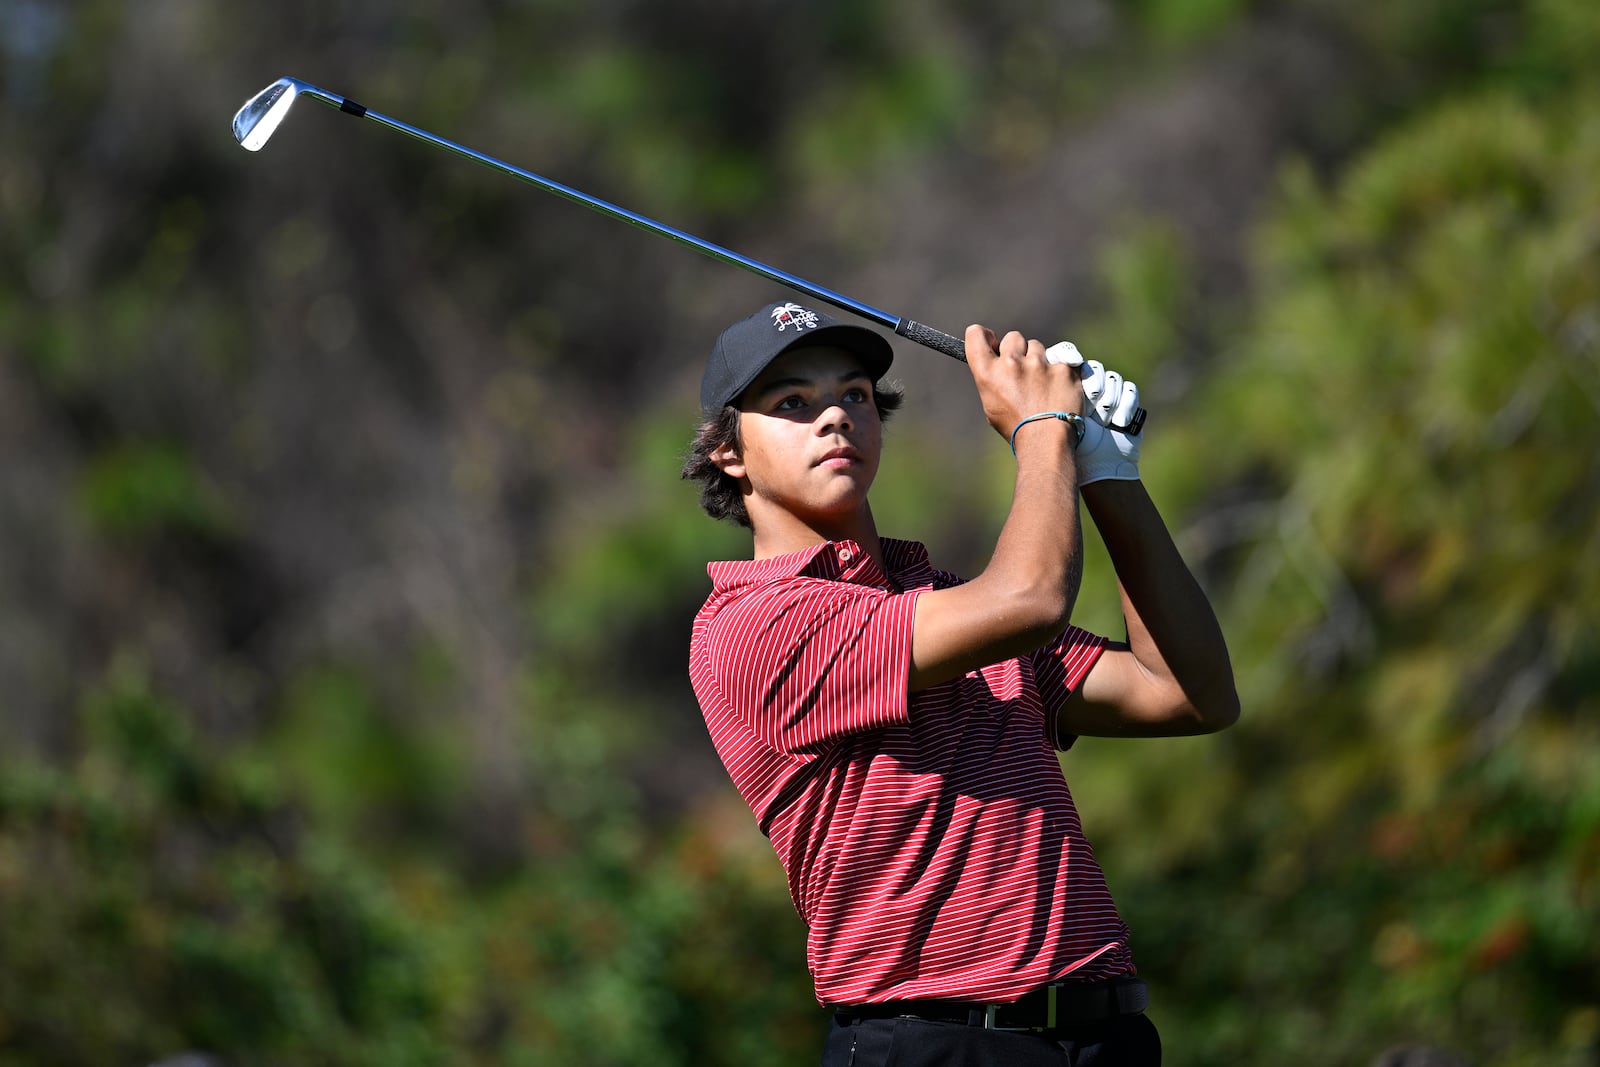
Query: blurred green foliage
[(1381, 459), (159, 899), (1408, 818), (135, 490)]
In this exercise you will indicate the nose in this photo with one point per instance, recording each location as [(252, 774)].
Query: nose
[(833, 417)]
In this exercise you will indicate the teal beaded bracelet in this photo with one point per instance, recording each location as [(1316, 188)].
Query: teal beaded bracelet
[(1065, 416)]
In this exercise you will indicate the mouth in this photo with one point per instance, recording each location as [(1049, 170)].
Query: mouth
[(839, 458)]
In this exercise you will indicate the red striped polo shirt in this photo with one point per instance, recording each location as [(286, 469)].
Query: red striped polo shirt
[(930, 840)]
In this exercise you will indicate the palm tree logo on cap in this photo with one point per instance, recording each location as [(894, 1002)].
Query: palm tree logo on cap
[(786, 315)]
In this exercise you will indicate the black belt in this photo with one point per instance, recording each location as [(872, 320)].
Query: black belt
[(1049, 1007)]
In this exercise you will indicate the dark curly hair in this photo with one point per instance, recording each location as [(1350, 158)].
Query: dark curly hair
[(719, 494)]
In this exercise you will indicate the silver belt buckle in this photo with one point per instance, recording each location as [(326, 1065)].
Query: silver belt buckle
[(988, 1019), (989, 1011)]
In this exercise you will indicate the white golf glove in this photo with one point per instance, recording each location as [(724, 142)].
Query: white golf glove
[(1107, 451)]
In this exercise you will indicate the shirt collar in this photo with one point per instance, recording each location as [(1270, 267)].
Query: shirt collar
[(840, 561)]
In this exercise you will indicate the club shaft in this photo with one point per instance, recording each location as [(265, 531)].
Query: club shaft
[(915, 331)]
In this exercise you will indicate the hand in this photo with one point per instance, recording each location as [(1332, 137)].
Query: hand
[(1112, 401), (1107, 451), (1015, 381)]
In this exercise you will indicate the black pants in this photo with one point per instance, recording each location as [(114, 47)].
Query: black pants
[(1129, 1041)]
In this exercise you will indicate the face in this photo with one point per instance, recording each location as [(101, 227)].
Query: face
[(811, 438)]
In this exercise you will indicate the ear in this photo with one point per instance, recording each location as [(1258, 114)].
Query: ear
[(727, 459)]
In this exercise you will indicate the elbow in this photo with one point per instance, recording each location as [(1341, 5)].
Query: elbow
[(1043, 614), (1221, 714), (1028, 605), (1032, 613), (1210, 701), (1021, 613), (1055, 600), (1194, 710), (1216, 712)]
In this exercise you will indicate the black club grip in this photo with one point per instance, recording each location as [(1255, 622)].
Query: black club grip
[(938, 340), (956, 348)]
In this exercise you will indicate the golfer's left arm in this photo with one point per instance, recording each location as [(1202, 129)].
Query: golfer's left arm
[(1173, 675)]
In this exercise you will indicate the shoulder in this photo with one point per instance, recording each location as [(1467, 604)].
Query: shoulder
[(910, 565), (752, 610), (788, 594)]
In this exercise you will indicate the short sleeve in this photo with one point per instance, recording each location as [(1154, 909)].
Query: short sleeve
[(1058, 669), (806, 661)]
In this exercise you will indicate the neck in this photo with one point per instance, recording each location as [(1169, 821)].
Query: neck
[(780, 533)]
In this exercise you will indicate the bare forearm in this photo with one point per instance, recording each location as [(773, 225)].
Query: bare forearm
[(1026, 593), (1028, 589), (1041, 544), (1172, 630)]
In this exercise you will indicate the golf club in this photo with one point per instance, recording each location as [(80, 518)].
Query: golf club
[(263, 113)]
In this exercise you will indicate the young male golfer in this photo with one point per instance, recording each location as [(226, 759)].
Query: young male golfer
[(894, 729)]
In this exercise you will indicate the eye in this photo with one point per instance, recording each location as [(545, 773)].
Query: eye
[(856, 395), (792, 402)]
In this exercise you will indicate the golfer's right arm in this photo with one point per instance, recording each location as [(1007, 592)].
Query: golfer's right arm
[(1026, 593)]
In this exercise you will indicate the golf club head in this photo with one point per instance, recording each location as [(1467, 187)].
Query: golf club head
[(264, 112)]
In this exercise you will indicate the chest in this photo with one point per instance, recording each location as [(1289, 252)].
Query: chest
[(984, 716)]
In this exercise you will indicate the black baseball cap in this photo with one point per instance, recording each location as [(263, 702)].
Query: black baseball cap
[(745, 348)]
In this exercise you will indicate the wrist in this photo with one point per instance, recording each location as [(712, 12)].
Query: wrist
[(1097, 473), (1107, 455), (1074, 421)]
